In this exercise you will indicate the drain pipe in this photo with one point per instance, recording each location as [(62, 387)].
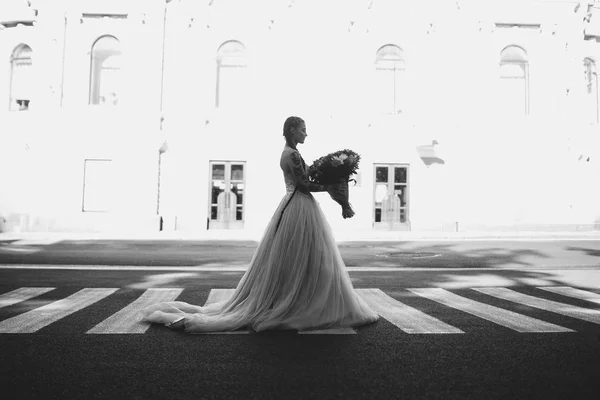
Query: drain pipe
[(162, 72), (164, 146), (64, 51)]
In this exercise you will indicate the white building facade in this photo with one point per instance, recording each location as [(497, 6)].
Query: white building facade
[(167, 115)]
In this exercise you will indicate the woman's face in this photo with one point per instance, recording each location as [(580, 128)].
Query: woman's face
[(299, 133)]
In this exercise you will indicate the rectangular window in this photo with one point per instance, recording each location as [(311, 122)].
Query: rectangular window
[(391, 204), (97, 185), (232, 86), (390, 89), (105, 71), (514, 94), (21, 85), (390, 69), (227, 194)]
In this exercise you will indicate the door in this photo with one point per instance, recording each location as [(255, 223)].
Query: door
[(390, 197), (226, 203)]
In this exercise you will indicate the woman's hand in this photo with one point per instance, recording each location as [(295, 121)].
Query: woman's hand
[(347, 212), (339, 193)]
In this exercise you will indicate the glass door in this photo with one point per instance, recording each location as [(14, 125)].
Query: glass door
[(390, 197), (226, 203)]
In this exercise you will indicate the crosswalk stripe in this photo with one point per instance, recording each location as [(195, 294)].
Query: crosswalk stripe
[(219, 295), (409, 319), (36, 319), (500, 316), (584, 314), (22, 294), (127, 319), (572, 292)]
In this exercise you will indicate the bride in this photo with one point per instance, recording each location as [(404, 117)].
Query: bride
[(296, 279)]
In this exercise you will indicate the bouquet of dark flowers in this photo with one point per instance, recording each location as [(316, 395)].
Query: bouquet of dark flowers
[(336, 169)]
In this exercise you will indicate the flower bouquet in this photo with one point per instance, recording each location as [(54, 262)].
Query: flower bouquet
[(336, 169)]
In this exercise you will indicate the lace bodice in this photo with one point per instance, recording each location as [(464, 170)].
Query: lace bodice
[(295, 173), (290, 180)]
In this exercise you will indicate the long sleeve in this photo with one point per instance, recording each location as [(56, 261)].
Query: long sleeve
[(296, 166)]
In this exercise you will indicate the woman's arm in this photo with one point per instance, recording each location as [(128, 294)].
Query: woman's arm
[(295, 164)]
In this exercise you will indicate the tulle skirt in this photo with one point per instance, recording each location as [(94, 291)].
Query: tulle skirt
[(296, 280)]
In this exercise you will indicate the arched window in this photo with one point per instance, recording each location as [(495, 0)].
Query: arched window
[(514, 81), (21, 78), (105, 71), (591, 91), (232, 75), (390, 81)]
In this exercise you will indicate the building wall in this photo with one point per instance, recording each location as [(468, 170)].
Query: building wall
[(316, 60)]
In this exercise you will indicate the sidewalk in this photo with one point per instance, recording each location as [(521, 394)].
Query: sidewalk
[(347, 236)]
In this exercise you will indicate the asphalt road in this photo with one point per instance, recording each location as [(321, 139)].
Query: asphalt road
[(478, 358), (409, 254)]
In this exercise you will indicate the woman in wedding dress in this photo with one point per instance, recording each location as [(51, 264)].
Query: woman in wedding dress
[(296, 279)]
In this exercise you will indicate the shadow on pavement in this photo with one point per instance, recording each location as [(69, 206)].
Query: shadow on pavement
[(447, 255), (589, 252)]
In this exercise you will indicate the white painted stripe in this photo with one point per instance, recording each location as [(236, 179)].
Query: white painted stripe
[(244, 268), (534, 237), (127, 320), (120, 268), (34, 320), (22, 250), (219, 295), (409, 319), (500, 316), (572, 292), (22, 294), (38, 241), (331, 331), (543, 304)]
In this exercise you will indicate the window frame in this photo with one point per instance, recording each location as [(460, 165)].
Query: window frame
[(228, 182), (398, 66), (522, 63), (223, 60), (391, 184), (95, 76), (14, 58)]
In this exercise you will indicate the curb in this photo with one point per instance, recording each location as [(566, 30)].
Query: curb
[(250, 236)]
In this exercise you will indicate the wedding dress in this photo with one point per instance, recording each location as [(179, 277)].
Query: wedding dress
[(296, 278)]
